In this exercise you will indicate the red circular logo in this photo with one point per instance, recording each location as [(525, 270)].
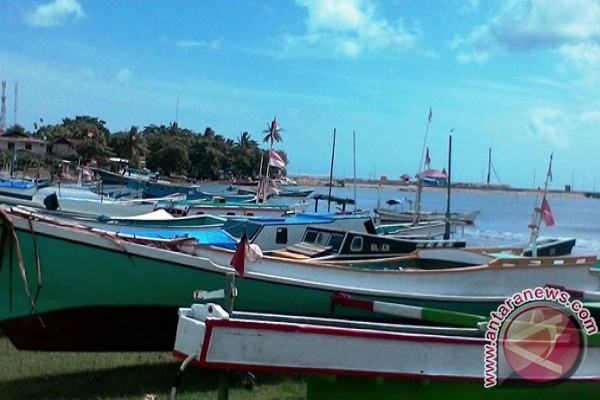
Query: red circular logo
[(542, 344)]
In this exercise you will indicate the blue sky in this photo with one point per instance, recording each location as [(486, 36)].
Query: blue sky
[(519, 77)]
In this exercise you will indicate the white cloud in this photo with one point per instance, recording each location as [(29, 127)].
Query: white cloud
[(529, 25), (550, 125), (124, 75), (583, 58), (55, 13), (349, 27), (213, 45)]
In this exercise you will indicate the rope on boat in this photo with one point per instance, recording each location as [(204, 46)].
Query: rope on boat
[(38, 266), (13, 244)]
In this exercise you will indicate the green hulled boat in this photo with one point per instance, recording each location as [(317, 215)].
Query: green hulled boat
[(71, 288)]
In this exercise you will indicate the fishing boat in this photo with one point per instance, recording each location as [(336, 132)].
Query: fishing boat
[(219, 205), (334, 244), (68, 287), (423, 229), (361, 360), (391, 213), (82, 200), (127, 176), (13, 190), (295, 192), (158, 224)]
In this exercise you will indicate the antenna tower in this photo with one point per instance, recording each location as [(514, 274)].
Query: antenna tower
[(3, 109)]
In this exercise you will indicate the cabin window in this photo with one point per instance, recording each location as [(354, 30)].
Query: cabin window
[(320, 238), (310, 236), (335, 241), (281, 236), (28, 146), (356, 244)]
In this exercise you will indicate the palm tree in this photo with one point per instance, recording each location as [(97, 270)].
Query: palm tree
[(244, 141), (272, 133)]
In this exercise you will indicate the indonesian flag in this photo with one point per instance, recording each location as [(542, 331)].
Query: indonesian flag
[(274, 126), (86, 171), (547, 213), (274, 188), (239, 258), (275, 160)]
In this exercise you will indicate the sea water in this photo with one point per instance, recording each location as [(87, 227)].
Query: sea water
[(504, 216)]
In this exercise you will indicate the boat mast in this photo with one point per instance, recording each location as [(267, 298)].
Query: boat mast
[(489, 165), (354, 162), (536, 218), (448, 183), (331, 173), (417, 210)]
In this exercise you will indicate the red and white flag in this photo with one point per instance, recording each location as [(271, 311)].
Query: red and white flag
[(239, 258), (547, 213), (275, 160), (274, 187), (274, 126), (86, 171)]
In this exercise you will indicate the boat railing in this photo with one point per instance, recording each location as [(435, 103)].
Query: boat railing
[(544, 261)]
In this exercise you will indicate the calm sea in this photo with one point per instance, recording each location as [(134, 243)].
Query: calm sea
[(504, 216)]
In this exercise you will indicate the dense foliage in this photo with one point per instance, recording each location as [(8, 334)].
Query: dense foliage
[(165, 149)]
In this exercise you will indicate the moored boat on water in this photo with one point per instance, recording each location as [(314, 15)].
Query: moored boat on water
[(392, 214)]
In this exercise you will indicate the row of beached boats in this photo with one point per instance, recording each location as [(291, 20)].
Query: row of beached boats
[(311, 289)]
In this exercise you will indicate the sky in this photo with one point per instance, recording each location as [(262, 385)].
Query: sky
[(517, 78)]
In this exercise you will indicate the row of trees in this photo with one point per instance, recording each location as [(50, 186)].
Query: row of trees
[(166, 149)]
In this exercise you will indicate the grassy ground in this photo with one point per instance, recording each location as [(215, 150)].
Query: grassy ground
[(124, 376)]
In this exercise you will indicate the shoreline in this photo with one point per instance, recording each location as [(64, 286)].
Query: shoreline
[(410, 187)]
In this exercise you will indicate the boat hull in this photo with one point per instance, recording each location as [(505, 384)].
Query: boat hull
[(95, 280)]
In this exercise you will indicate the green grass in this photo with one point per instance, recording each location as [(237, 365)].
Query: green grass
[(124, 376)]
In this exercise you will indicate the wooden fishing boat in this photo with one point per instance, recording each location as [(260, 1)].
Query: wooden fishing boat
[(157, 224), (219, 205), (325, 243), (67, 287), (381, 359), (392, 214), (84, 201), (424, 229), (24, 189)]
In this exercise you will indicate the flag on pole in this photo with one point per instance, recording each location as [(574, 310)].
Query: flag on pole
[(427, 159), (274, 125), (239, 258), (547, 213), (274, 187), (430, 117), (275, 160), (87, 171)]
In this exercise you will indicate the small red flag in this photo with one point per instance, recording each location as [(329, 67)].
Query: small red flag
[(547, 213), (238, 260)]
